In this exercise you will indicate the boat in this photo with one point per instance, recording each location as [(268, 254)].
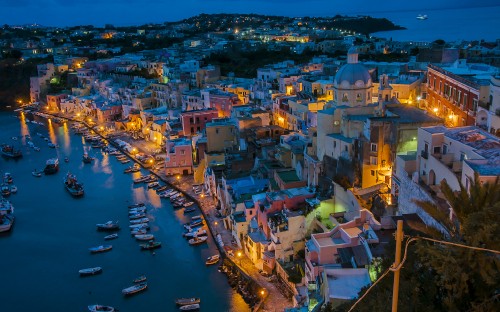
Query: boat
[(151, 245), (195, 233), (36, 148), (134, 289), (51, 145), (161, 189), (101, 248), (187, 301), (108, 226), (212, 259), (188, 204), (139, 226), (66, 159), (7, 178), (87, 159), (13, 189), (144, 237), (36, 173), (139, 231), (90, 271), (51, 166), (153, 185), (10, 152), (137, 215), (6, 222), (190, 209), (5, 190), (190, 307), (136, 205), (135, 211), (111, 236), (197, 240), (140, 279), (139, 221), (193, 223), (73, 186), (422, 17), (100, 308)]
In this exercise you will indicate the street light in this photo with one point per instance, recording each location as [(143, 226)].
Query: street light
[(239, 256)]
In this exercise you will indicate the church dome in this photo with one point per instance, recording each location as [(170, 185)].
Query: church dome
[(352, 74)]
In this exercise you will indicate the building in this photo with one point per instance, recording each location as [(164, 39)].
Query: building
[(195, 121), (488, 114), (222, 135), (456, 91), (179, 159)]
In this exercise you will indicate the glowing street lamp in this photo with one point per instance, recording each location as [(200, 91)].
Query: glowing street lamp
[(239, 256)]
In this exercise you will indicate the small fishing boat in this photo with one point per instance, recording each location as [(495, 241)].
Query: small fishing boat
[(212, 259), (144, 237), (136, 215), (37, 173), (190, 307), (140, 279), (190, 209), (136, 205), (90, 271), (66, 159), (139, 231), (10, 152), (150, 245), (197, 240), (87, 159), (6, 222), (139, 226), (195, 233), (111, 236), (13, 189), (101, 248), (5, 190), (108, 226), (188, 204), (100, 308), (187, 301), (136, 211), (153, 185), (51, 166), (134, 289), (51, 145), (72, 185)]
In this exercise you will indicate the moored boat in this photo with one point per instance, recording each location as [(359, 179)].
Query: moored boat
[(136, 205), (139, 221), (37, 173), (100, 308), (197, 240), (136, 215), (101, 248), (6, 222), (144, 237), (190, 209), (134, 289), (52, 166), (108, 226), (187, 301), (111, 236), (87, 159), (190, 307), (5, 190), (195, 233), (90, 271), (73, 186), (140, 279), (212, 259), (150, 245), (10, 152)]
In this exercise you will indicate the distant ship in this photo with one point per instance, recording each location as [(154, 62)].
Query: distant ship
[(52, 166), (422, 17)]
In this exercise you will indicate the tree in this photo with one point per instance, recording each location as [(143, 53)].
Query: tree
[(439, 277)]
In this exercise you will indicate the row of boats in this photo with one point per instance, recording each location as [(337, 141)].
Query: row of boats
[(6, 215)]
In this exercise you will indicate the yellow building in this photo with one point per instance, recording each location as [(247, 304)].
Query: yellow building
[(222, 134)]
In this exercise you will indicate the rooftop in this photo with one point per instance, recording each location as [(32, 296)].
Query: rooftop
[(346, 283), (288, 176)]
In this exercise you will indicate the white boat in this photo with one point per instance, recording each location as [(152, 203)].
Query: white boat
[(36, 173), (13, 189), (134, 289), (187, 301), (195, 233), (6, 221), (144, 237), (100, 308), (139, 221), (188, 204), (90, 271), (139, 225), (190, 307), (108, 226), (212, 259), (197, 240), (101, 248), (137, 215), (139, 231), (422, 17), (111, 236)]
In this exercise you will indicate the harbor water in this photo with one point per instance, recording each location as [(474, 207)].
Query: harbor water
[(50, 240)]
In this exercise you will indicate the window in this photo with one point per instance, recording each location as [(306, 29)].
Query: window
[(372, 172), (462, 156), (191, 120), (437, 149), (334, 144), (465, 100), (445, 149), (358, 97), (182, 152), (373, 147), (217, 130), (345, 98), (373, 160), (345, 148)]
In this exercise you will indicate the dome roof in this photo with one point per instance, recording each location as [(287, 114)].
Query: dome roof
[(353, 74)]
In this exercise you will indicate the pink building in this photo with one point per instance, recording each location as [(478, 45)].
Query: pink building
[(179, 159), (277, 201), (222, 101), (54, 101), (109, 113), (323, 248), (195, 121)]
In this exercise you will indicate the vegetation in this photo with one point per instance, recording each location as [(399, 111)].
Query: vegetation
[(438, 277)]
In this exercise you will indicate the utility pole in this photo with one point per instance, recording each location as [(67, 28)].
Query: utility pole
[(397, 260)]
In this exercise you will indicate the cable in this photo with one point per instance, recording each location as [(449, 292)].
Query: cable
[(368, 290)]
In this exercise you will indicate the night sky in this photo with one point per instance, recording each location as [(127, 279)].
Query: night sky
[(137, 12)]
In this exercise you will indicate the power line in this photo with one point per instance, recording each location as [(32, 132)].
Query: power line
[(410, 240), (368, 290)]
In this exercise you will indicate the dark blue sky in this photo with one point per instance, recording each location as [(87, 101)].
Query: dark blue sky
[(136, 12)]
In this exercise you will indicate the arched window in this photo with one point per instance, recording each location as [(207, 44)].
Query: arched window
[(358, 97), (345, 98)]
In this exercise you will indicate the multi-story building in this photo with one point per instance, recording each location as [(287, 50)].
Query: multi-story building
[(455, 91), (222, 101), (456, 154), (222, 134), (195, 121), (179, 159), (488, 114)]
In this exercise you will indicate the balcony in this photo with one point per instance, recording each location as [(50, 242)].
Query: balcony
[(485, 105), (424, 154)]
